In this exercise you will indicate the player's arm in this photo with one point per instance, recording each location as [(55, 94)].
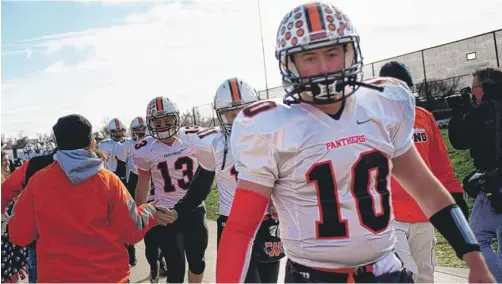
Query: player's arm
[(142, 187), (199, 189), (13, 185), (22, 224), (257, 167), (143, 164), (130, 222), (441, 166), (437, 204)]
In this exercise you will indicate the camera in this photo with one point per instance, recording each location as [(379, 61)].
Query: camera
[(489, 182), (460, 102)]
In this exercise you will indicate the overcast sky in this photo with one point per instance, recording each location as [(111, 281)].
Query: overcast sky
[(109, 59)]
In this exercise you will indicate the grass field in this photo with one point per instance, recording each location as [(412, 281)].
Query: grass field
[(462, 164)]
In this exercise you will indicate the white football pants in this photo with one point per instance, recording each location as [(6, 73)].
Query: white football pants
[(416, 247)]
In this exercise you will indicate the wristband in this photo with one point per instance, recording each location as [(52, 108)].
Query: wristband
[(451, 223)]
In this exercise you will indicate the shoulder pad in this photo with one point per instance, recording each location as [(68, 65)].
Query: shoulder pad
[(266, 116), (143, 145)]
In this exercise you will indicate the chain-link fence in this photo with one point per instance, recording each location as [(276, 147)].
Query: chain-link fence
[(437, 72)]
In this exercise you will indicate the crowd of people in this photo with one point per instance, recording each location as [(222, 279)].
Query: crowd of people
[(345, 177)]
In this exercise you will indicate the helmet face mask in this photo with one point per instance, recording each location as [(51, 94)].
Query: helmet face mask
[(164, 126), (226, 117), (162, 118), (138, 128), (117, 134), (138, 132), (117, 129), (309, 28)]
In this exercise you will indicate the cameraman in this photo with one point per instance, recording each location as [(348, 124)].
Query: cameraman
[(478, 128)]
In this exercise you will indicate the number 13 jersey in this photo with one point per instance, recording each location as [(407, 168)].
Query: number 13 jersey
[(172, 168), (330, 178)]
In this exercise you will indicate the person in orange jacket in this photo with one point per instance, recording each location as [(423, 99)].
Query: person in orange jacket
[(79, 213), (415, 234)]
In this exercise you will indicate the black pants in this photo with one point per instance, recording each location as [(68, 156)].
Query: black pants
[(258, 272), (297, 273), (188, 236), (131, 184)]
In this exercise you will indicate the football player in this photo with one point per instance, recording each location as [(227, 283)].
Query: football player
[(49, 148), (98, 136), (26, 155), (216, 162), (325, 156), (37, 150), (138, 128), (415, 234), (114, 150), (166, 158)]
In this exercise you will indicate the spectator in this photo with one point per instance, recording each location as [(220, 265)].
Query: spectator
[(79, 213), (5, 166), (14, 258), (11, 189), (478, 129), (415, 234)]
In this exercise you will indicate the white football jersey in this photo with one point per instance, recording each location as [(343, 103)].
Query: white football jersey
[(113, 150), (172, 168), (330, 178), (131, 168), (211, 155)]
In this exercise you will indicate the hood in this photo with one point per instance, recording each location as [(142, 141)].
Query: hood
[(79, 165)]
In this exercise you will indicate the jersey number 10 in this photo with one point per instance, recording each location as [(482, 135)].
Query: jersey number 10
[(331, 225)]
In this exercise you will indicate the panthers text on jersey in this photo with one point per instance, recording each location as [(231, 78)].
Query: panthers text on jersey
[(113, 150), (172, 168), (330, 178)]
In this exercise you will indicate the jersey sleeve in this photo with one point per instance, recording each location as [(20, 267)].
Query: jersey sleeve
[(402, 104), (141, 155), (203, 148), (252, 144)]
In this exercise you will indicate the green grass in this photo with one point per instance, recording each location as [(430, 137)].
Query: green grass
[(462, 164)]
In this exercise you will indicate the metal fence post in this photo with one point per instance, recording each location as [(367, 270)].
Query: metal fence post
[(425, 77), (496, 49)]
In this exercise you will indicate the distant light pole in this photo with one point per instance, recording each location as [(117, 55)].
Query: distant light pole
[(263, 49)]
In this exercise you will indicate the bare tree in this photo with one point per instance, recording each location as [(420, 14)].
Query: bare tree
[(5, 140), (40, 137), (187, 118), (436, 90)]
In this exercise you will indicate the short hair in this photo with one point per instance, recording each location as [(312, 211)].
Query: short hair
[(4, 153), (488, 75)]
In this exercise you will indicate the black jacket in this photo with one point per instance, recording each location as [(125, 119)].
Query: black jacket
[(476, 131)]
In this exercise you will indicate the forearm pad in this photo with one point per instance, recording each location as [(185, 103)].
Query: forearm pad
[(200, 187), (451, 223)]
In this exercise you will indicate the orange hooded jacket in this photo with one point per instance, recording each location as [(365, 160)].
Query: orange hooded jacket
[(432, 148), (80, 225)]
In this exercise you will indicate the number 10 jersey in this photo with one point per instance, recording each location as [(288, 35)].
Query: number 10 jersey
[(330, 178)]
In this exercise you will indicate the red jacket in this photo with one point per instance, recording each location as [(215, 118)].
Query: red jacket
[(13, 185), (80, 229), (431, 146)]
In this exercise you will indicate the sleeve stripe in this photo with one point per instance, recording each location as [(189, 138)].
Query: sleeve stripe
[(140, 216)]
